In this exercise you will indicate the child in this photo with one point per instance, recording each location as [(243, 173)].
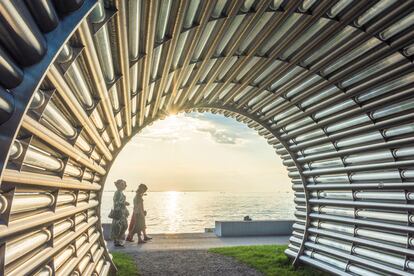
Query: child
[(140, 213)]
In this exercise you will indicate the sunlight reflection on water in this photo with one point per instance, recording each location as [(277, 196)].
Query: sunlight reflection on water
[(186, 212)]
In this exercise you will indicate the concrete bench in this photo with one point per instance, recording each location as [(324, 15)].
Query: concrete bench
[(253, 228)]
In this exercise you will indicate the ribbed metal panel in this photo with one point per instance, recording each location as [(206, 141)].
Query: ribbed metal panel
[(329, 84)]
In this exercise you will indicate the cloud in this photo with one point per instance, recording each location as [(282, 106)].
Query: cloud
[(183, 127), (221, 136)]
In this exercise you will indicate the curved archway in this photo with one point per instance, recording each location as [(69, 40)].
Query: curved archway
[(328, 83)]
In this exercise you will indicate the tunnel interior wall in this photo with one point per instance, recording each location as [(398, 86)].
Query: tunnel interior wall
[(329, 84)]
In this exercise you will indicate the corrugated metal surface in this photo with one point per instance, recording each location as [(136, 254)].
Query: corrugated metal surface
[(328, 83)]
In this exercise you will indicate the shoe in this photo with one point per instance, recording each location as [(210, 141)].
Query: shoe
[(147, 238)]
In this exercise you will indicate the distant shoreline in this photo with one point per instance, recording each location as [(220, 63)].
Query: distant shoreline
[(204, 191)]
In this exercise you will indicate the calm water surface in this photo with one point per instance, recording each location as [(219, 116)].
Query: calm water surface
[(186, 212)]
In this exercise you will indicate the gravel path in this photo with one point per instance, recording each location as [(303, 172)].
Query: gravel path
[(189, 262)]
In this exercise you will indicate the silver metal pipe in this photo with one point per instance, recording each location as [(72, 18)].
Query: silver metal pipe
[(62, 227), (6, 105), (21, 247), (31, 201), (39, 159), (65, 54), (79, 86), (54, 117), (98, 13), (113, 94), (20, 34), (12, 74), (162, 19), (64, 256), (134, 18)]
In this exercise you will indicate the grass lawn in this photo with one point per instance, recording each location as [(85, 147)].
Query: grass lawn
[(125, 264), (268, 259)]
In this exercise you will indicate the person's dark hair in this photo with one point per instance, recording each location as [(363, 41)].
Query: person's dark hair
[(142, 188)]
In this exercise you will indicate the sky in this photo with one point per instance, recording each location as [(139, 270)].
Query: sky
[(199, 152)]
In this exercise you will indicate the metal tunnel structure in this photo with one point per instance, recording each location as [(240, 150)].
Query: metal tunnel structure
[(328, 83)]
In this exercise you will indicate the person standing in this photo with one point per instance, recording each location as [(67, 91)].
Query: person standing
[(140, 213), (119, 214)]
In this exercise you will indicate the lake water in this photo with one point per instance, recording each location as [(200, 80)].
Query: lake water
[(187, 212)]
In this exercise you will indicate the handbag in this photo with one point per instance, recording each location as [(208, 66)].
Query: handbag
[(115, 214)]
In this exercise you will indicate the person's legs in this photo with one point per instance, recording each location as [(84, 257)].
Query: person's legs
[(115, 231), (131, 227), (123, 228), (140, 239), (146, 237)]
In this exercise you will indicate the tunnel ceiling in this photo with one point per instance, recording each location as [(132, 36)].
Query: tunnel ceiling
[(329, 84)]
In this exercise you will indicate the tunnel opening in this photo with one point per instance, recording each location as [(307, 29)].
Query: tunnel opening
[(177, 158)]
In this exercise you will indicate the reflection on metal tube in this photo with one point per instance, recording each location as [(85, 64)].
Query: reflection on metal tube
[(65, 198), (79, 85), (45, 271), (20, 34), (155, 62), (23, 246), (190, 14), (84, 262), (134, 78), (162, 20), (113, 93), (6, 105), (83, 144), (65, 54), (53, 116), (44, 14), (27, 202), (62, 257), (134, 10), (118, 119), (103, 48), (68, 5), (98, 13), (106, 137), (11, 74), (38, 100), (97, 120), (61, 227), (134, 104), (39, 159), (73, 170), (3, 204)]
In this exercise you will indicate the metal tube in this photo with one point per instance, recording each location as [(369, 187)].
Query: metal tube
[(36, 179), (41, 160), (62, 227), (45, 271), (31, 201), (55, 140), (44, 13), (6, 105), (23, 246), (65, 54), (98, 13), (163, 15), (78, 83), (11, 73), (20, 34), (64, 256), (53, 116), (134, 10)]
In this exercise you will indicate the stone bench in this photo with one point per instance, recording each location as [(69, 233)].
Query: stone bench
[(253, 228)]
